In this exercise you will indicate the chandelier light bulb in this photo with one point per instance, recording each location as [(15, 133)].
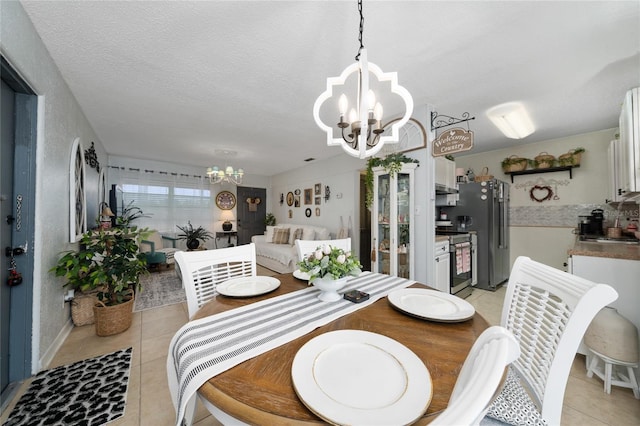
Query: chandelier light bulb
[(353, 115), (343, 104), (377, 112), (371, 100)]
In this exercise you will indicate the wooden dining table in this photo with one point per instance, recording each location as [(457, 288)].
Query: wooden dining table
[(260, 390)]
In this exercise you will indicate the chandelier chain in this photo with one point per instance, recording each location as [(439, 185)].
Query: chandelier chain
[(361, 29)]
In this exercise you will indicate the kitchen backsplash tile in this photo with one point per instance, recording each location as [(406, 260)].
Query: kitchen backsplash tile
[(567, 215)]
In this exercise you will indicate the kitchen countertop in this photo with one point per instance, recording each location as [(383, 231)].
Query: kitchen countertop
[(610, 250), (440, 238)]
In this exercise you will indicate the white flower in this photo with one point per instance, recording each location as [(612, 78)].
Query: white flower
[(319, 254), (326, 249), (341, 259)]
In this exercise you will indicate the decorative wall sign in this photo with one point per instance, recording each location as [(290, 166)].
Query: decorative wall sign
[(253, 203), (452, 141), (91, 158)]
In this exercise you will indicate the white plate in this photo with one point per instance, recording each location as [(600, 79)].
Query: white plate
[(431, 304), (358, 377), (248, 286), (301, 275)]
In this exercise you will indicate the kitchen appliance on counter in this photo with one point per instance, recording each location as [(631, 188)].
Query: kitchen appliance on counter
[(460, 263), (487, 204), (597, 220)]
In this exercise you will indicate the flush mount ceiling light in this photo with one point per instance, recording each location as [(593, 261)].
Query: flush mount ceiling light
[(361, 130), (512, 120)]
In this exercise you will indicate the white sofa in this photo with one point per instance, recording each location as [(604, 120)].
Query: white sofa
[(282, 257)]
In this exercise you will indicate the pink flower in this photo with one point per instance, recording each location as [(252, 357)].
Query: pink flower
[(341, 259), (319, 254)]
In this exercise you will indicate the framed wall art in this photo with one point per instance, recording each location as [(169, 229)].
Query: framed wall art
[(308, 194), (317, 189), (289, 199)]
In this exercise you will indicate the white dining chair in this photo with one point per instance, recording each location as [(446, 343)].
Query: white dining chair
[(480, 378), (203, 270), (305, 247), (548, 312)]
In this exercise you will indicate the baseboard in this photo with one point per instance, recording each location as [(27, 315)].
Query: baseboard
[(57, 343)]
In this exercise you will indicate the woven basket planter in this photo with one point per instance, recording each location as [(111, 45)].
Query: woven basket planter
[(571, 158), (514, 164), (483, 176), (544, 160), (114, 319), (82, 308)]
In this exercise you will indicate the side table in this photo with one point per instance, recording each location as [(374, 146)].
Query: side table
[(227, 234)]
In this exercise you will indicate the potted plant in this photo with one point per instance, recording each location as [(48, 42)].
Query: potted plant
[(108, 262), (270, 219), (328, 268), (572, 157), (193, 235), (514, 164), (129, 214)]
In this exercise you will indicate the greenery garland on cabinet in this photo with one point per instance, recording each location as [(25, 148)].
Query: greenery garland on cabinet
[(392, 163)]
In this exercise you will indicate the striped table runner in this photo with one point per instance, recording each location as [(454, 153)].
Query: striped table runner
[(204, 348)]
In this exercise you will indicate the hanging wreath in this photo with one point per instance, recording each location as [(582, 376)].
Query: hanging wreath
[(253, 203), (540, 193)]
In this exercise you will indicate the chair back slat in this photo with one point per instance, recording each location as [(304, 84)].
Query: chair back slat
[(202, 271)]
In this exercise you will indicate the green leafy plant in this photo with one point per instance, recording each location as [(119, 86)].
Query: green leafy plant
[(392, 163), (191, 233), (329, 260), (270, 219), (109, 260), (129, 214)]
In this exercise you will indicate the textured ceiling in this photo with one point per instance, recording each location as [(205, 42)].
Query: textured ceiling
[(179, 81)]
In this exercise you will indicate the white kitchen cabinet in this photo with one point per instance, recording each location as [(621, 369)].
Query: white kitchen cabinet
[(392, 221), (624, 153), (442, 265), (445, 180), (621, 274)]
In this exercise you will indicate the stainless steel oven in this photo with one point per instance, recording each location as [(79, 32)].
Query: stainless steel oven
[(461, 268)]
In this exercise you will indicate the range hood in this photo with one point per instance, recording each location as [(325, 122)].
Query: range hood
[(444, 190)]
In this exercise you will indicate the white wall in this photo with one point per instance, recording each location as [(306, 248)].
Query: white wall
[(60, 121), (549, 239)]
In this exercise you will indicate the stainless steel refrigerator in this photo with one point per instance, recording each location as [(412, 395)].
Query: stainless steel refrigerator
[(486, 207)]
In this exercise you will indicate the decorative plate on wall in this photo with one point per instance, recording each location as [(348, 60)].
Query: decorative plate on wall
[(289, 199), (225, 200)]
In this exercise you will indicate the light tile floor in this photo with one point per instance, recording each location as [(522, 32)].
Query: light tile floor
[(148, 401)]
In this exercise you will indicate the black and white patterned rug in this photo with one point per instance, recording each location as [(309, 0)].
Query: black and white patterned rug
[(159, 289), (90, 392)]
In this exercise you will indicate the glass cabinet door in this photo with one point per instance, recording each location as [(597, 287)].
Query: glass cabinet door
[(403, 224), (384, 223)]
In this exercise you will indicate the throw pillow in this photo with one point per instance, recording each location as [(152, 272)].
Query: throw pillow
[(281, 236), (295, 235), (269, 234), (308, 233)]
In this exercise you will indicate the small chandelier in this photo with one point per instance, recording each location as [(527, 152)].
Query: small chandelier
[(229, 174), (361, 134)]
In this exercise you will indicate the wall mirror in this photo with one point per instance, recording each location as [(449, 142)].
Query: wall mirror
[(77, 201)]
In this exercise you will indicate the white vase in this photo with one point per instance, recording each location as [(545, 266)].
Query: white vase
[(329, 288)]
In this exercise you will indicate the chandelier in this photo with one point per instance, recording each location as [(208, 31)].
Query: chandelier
[(361, 131), (229, 174)]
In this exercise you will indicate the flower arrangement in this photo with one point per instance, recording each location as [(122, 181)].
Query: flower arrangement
[(328, 260)]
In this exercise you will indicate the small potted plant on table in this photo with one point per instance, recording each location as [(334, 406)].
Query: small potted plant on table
[(193, 235)]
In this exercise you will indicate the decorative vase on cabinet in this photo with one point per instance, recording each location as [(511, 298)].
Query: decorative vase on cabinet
[(392, 221)]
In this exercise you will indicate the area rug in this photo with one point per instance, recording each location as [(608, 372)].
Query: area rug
[(159, 289), (89, 392)]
